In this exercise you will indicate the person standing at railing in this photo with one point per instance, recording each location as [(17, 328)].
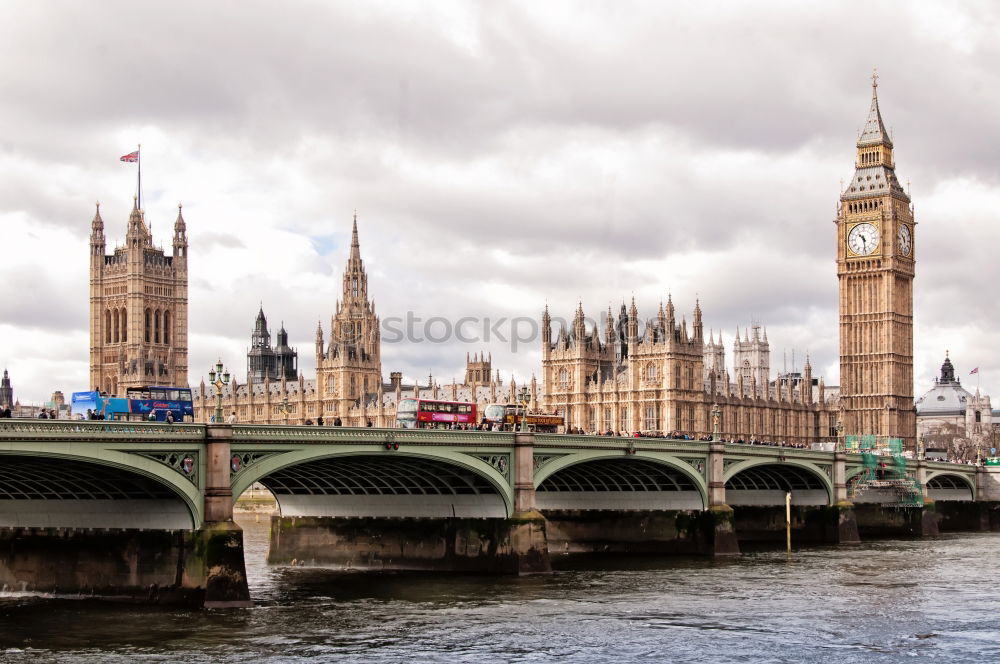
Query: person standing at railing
[(232, 418)]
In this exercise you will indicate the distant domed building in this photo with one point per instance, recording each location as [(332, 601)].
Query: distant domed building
[(953, 422)]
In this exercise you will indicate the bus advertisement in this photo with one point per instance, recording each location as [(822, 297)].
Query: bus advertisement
[(432, 414), (510, 416), (138, 404)]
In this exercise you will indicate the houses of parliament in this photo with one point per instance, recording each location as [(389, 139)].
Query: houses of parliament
[(657, 373)]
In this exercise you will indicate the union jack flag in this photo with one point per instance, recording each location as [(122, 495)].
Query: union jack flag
[(131, 156), (974, 371)]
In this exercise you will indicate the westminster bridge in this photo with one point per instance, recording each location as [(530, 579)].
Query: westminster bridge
[(144, 510)]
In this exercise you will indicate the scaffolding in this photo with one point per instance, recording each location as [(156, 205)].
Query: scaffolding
[(884, 471)]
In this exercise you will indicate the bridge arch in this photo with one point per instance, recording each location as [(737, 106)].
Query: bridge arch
[(943, 485), (598, 479), (113, 490), (766, 481), (368, 483)]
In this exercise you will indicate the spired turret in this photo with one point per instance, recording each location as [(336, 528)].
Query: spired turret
[(180, 236), (97, 241)]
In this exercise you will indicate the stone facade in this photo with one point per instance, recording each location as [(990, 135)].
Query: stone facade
[(138, 308), (655, 381), (875, 268)]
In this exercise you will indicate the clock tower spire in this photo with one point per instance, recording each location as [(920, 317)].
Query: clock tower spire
[(875, 269)]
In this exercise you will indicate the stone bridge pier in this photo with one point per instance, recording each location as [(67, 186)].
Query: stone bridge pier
[(133, 512), (460, 522)]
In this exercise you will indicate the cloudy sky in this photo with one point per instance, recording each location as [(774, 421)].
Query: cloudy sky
[(500, 155)]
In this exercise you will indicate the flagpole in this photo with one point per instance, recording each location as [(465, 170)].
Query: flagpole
[(138, 154)]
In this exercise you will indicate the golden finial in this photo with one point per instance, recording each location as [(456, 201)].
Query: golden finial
[(874, 77)]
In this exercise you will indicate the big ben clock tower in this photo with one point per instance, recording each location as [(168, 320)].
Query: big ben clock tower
[(875, 268)]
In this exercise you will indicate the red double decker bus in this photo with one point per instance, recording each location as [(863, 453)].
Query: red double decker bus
[(432, 414)]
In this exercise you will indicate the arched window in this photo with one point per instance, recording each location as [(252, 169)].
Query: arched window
[(156, 327), (166, 327), (979, 417), (124, 325), (107, 326), (148, 324), (651, 372), (563, 378), (116, 336)]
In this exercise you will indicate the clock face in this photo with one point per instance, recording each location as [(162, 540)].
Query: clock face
[(905, 241), (863, 239)]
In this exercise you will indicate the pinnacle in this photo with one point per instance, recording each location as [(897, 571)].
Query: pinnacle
[(874, 131), (355, 245)]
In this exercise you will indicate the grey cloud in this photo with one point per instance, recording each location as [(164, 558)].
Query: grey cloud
[(585, 145)]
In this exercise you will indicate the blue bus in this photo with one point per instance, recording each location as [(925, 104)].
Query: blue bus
[(138, 403)]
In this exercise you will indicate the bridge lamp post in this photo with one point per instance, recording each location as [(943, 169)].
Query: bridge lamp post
[(524, 396), (219, 378), (284, 408), (716, 415)]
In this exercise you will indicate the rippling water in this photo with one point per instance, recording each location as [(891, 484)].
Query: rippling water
[(889, 601)]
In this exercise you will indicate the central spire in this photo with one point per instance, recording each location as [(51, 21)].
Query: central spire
[(874, 166), (355, 245), (355, 280), (874, 132)]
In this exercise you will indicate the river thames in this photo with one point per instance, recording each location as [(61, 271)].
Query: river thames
[(886, 601)]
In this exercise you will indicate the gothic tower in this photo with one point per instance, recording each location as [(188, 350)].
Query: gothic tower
[(6, 391), (138, 308), (260, 356), (752, 356), (286, 358), (349, 369), (875, 268), (715, 360), (478, 369)]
